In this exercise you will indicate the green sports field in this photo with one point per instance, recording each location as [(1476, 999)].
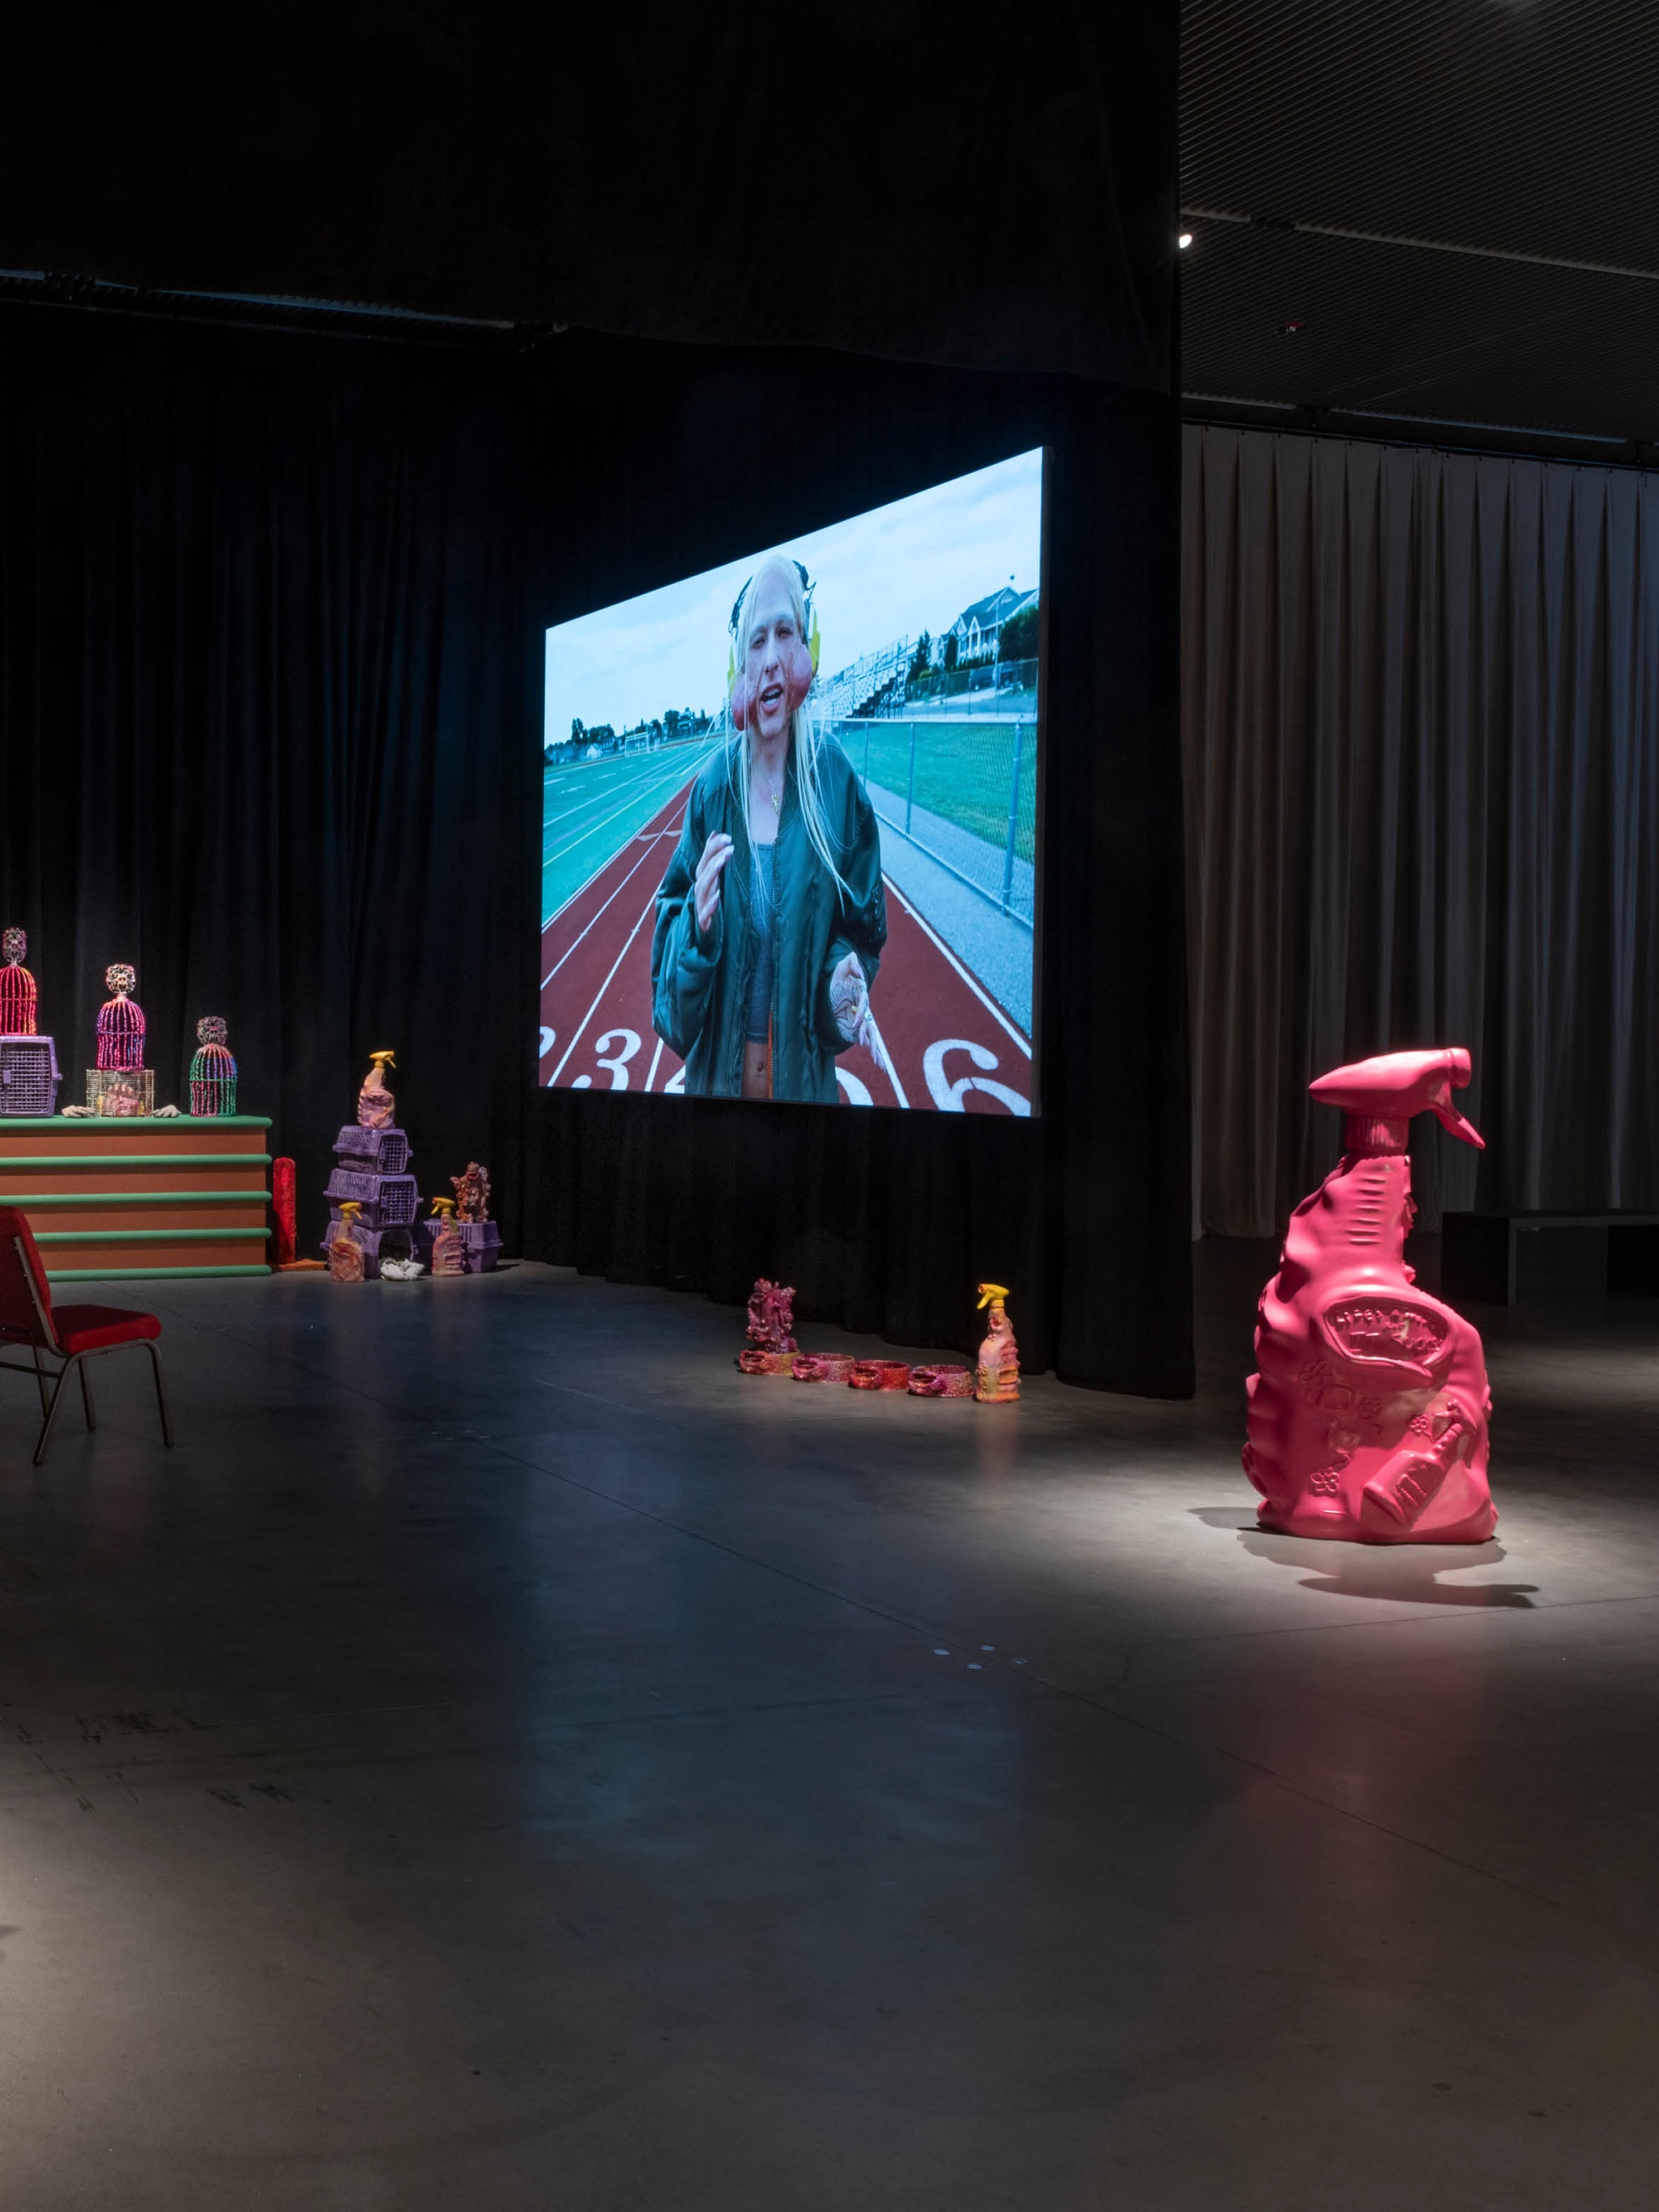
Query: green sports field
[(963, 772)]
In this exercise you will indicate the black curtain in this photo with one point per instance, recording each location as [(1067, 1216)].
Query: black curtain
[(263, 613), (1421, 731), (965, 183), (271, 617)]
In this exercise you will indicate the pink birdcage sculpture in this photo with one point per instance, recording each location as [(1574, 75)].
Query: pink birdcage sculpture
[(18, 996), (121, 1023), (212, 1069)]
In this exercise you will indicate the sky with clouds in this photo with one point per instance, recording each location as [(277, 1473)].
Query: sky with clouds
[(887, 574)]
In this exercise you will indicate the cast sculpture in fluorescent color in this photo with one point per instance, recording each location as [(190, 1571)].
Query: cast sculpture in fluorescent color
[(996, 1377), (376, 1107), (1368, 1412)]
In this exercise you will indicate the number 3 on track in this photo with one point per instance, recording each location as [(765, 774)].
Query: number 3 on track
[(629, 1041)]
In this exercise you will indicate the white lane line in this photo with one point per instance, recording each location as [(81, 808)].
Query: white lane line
[(884, 1060), (615, 894), (649, 905), (989, 1005)]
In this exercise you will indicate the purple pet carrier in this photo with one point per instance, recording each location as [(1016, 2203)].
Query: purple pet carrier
[(380, 1151), (481, 1242), (388, 1201), (369, 1169), (28, 1076)]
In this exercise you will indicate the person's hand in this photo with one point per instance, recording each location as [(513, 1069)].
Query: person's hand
[(849, 1000), (706, 889)]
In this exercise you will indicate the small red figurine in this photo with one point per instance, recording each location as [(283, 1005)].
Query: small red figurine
[(771, 1316), (472, 1193), (771, 1348)]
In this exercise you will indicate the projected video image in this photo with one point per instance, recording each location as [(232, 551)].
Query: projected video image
[(790, 817)]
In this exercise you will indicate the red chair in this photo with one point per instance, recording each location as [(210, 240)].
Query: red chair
[(72, 1333)]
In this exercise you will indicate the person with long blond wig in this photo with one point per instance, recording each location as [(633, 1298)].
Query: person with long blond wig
[(771, 916)]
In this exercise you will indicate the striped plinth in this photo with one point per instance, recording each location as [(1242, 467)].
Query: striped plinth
[(141, 1197)]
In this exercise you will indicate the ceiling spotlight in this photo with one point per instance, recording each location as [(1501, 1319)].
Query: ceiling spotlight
[(1185, 240)]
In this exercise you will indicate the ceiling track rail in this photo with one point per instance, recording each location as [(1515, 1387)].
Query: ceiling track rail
[(1518, 440), (273, 312), (1418, 245)]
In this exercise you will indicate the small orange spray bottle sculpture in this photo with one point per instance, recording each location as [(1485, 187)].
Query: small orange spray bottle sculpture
[(345, 1253), (375, 1104), (996, 1379), (1368, 1412), (448, 1255)]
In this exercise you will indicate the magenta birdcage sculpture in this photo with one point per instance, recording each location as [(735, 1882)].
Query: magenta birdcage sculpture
[(212, 1070), (121, 1023), (18, 996)]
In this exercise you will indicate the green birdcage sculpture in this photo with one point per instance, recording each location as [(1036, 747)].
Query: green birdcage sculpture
[(212, 1070)]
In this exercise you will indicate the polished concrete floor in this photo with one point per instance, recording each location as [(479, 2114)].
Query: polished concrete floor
[(505, 1759)]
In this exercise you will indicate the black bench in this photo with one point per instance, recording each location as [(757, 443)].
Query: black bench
[(1478, 1251)]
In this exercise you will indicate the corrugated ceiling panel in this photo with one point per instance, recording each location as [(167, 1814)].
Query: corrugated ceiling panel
[(1509, 126)]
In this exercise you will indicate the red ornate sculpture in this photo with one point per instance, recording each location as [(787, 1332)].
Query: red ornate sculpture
[(18, 995), (878, 1375), (771, 1348), (472, 1193), (1368, 1411), (822, 1366), (934, 1380), (771, 1316)]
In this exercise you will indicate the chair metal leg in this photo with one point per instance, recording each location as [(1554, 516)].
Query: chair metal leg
[(51, 1411), (40, 1377), (85, 1395), (160, 1395)]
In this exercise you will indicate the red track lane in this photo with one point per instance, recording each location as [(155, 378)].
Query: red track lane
[(948, 1045)]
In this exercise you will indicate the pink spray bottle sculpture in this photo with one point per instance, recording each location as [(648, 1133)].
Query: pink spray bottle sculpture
[(1368, 1412)]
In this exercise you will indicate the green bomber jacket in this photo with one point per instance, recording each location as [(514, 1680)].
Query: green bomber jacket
[(700, 986)]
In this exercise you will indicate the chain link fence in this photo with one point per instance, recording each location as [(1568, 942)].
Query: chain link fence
[(963, 792)]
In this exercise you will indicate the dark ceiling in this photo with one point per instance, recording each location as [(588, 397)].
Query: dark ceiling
[(1455, 202)]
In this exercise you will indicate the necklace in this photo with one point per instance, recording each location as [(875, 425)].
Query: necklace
[(775, 793)]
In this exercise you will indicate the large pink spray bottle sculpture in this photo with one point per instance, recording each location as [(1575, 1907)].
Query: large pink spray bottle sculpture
[(1368, 1414)]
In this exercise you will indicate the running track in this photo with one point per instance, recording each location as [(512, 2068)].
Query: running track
[(950, 1046)]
